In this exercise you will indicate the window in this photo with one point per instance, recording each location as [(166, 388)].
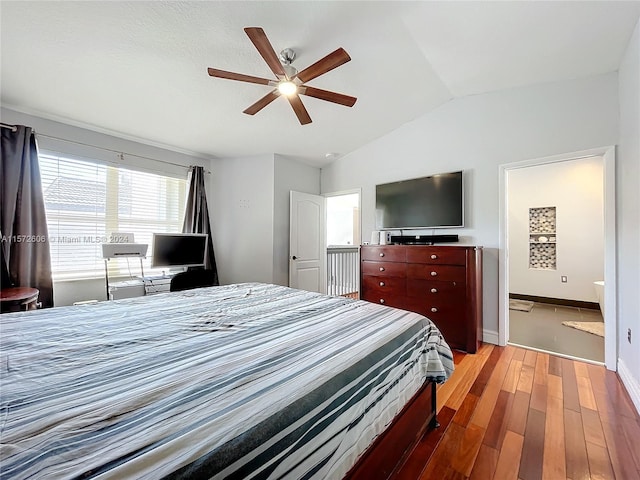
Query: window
[(87, 202)]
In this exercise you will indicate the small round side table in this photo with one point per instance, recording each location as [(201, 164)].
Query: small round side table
[(18, 298)]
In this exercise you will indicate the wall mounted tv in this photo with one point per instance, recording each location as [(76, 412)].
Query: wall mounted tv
[(436, 201), (178, 249)]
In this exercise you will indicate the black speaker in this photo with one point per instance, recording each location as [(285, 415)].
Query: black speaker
[(423, 239)]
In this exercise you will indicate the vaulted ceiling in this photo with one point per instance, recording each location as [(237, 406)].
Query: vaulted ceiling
[(139, 69)]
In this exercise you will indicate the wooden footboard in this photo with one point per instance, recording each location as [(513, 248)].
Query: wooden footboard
[(391, 449)]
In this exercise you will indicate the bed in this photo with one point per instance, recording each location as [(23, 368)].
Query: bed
[(238, 381)]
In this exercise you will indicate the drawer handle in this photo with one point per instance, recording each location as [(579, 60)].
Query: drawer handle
[(434, 290), (382, 300), (382, 284), (382, 269), (434, 309), (382, 254), (434, 256), (433, 274)]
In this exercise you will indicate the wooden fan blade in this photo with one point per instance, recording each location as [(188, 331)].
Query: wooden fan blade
[(261, 42), (263, 102), (214, 72), (334, 97), (298, 107), (324, 65)]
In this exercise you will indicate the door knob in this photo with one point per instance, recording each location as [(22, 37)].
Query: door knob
[(294, 258)]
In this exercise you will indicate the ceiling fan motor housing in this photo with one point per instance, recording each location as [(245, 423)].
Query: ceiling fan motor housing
[(287, 56)]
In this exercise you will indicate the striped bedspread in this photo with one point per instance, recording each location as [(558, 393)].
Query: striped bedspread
[(239, 381)]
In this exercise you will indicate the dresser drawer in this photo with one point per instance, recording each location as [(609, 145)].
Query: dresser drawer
[(395, 285), (385, 269), (388, 253), (437, 308), (441, 273), (448, 317), (437, 255), (384, 298), (437, 290)]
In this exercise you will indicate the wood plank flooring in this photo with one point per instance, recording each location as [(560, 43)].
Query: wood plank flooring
[(510, 413)]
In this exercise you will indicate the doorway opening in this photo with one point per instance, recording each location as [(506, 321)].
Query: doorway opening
[(343, 243), (556, 255)]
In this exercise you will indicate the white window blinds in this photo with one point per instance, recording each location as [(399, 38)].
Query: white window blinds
[(86, 202)]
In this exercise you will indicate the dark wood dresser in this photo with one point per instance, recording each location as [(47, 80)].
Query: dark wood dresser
[(443, 283)]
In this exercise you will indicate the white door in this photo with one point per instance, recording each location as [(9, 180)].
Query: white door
[(307, 242)]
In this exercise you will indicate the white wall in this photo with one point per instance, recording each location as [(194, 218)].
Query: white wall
[(575, 188), (288, 175), (628, 217), (477, 134), (251, 215), (243, 217), (74, 140)]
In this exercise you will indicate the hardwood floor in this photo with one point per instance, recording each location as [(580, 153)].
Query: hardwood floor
[(510, 413)]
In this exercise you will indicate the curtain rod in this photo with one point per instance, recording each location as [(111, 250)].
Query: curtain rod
[(13, 128), (119, 152)]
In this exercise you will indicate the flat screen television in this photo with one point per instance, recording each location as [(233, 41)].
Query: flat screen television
[(178, 249), (436, 201)]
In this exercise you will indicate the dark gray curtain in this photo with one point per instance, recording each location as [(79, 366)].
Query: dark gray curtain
[(196, 216), (26, 261)]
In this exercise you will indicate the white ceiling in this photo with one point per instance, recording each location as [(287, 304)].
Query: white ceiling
[(139, 69)]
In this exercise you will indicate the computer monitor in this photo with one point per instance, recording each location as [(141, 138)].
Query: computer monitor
[(178, 249)]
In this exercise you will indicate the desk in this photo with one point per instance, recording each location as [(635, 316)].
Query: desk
[(137, 287), (18, 298)]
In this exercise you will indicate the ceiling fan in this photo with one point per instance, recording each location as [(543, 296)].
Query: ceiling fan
[(290, 83)]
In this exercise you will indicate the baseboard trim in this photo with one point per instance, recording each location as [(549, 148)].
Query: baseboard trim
[(631, 384), (490, 336), (556, 301)]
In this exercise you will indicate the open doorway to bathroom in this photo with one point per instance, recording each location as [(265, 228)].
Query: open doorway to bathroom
[(556, 257)]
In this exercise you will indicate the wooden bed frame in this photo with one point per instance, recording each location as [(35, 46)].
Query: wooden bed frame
[(391, 449)]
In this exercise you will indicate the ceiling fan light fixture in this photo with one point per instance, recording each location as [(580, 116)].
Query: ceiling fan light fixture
[(287, 87)]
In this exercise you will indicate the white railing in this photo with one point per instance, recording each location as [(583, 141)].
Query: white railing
[(343, 271)]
